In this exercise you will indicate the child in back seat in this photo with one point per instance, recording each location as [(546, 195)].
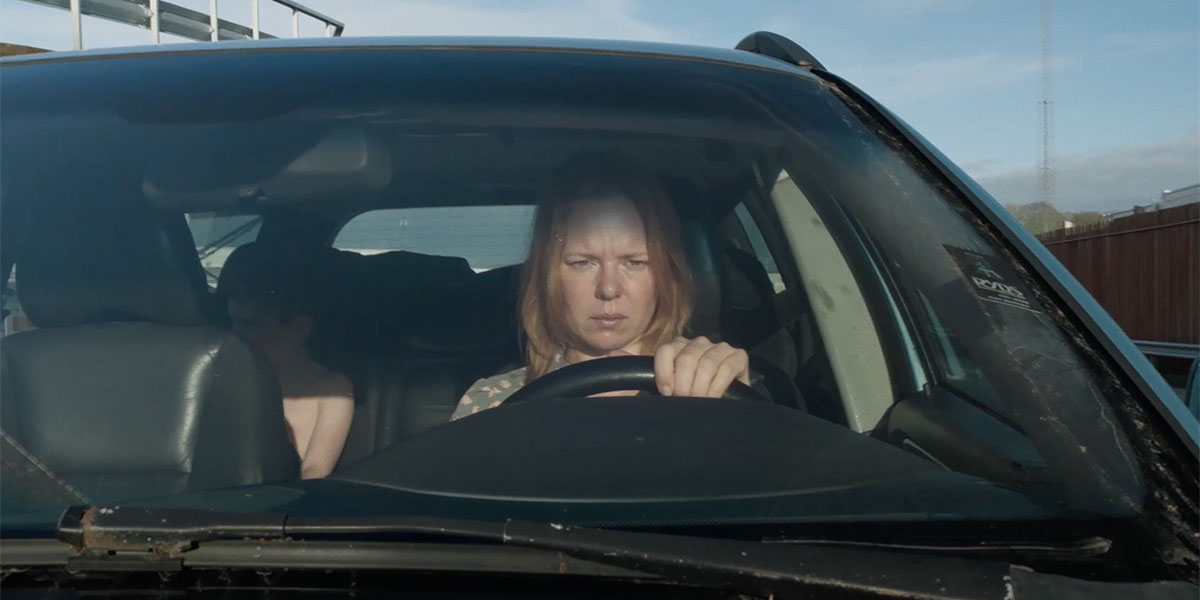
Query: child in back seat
[(274, 299)]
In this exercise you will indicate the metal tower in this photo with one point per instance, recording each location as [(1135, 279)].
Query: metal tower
[(1046, 122)]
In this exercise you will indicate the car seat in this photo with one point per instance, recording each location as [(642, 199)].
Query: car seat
[(124, 389)]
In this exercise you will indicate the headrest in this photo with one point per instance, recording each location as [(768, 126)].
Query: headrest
[(750, 315), (701, 245), (98, 262), (428, 305), (704, 257)]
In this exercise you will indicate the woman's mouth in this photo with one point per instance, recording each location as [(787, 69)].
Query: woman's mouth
[(608, 320)]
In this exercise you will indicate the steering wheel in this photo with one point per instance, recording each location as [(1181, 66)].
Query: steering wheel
[(609, 375)]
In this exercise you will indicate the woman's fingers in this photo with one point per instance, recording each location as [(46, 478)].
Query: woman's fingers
[(708, 369), (698, 367), (687, 362), (719, 366), (664, 365), (735, 364)]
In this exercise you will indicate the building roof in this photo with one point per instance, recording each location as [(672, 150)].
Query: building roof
[(18, 50), (1169, 199)]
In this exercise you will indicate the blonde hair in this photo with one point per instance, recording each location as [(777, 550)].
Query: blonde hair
[(598, 177)]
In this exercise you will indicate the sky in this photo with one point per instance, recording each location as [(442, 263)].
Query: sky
[(1125, 76)]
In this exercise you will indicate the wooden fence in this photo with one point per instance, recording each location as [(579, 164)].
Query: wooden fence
[(1144, 269)]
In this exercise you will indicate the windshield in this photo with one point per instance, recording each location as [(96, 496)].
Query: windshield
[(219, 263)]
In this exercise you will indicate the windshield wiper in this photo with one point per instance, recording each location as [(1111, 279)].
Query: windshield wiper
[(1088, 547), (162, 538), (153, 539)]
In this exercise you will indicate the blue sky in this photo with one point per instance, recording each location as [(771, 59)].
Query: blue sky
[(966, 73)]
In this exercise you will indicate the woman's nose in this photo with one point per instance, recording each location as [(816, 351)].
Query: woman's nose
[(608, 286)]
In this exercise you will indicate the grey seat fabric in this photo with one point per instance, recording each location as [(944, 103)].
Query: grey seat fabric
[(401, 397), (707, 267), (416, 386), (124, 390)]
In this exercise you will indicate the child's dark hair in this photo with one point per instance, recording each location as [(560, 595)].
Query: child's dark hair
[(280, 280)]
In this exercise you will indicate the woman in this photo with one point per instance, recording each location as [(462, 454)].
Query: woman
[(606, 276)]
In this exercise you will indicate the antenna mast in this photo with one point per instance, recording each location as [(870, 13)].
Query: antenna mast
[(1046, 123)]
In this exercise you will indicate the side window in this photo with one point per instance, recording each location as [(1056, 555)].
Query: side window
[(217, 235), (14, 318), (758, 245), (752, 275), (958, 370), (758, 316), (486, 236)]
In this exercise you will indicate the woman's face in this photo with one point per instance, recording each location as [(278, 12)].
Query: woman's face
[(606, 280)]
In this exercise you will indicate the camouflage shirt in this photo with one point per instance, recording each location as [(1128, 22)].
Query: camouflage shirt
[(491, 392)]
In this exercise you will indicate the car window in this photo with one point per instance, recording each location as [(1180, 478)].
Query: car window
[(765, 316), (957, 368), (754, 238), (15, 319), (486, 236), (218, 234), (1003, 322)]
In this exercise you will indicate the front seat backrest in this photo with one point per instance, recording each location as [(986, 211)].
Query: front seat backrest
[(703, 250), (123, 390)]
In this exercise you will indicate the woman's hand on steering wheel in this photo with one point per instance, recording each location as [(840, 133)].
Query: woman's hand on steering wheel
[(698, 367)]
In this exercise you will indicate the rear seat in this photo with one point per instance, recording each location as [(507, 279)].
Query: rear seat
[(397, 397), (412, 331), (378, 298), (421, 352)]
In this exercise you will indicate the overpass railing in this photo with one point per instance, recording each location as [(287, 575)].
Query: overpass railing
[(160, 16)]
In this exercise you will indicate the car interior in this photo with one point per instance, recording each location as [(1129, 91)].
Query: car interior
[(121, 374), (123, 279), (118, 358)]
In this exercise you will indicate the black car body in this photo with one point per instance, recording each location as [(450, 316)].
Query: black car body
[(952, 415)]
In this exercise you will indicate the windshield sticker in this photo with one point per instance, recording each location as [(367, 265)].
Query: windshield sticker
[(992, 279)]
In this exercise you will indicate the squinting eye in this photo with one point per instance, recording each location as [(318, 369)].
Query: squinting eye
[(637, 264)]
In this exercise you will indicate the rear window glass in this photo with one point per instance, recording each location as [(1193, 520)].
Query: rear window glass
[(217, 235), (487, 236)]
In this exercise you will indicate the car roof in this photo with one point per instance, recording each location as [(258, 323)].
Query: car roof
[(653, 49)]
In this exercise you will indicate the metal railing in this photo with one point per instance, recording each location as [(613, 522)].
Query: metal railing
[(160, 16), (1168, 349)]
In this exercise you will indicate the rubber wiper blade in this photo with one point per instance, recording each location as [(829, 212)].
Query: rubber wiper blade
[(173, 530), (1072, 549), (771, 570)]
